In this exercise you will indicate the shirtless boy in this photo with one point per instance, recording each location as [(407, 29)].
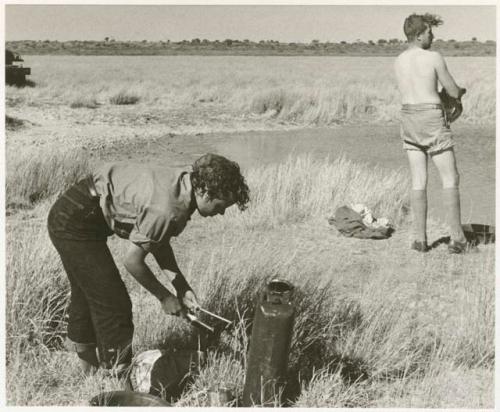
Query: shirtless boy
[(424, 128)]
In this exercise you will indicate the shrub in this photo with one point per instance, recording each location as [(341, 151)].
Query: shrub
[(11, 123), (88, 102), (124, 97)]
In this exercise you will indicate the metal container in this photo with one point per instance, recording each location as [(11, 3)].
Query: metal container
[(269, 345), (126, 398)]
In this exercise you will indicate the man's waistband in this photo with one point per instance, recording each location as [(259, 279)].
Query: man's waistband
[(422, 106)]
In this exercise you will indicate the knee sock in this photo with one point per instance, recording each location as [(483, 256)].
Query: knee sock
[(451, 202), (418, 199)]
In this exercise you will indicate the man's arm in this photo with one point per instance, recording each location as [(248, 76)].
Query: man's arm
[(445, 77), (135, 263), (165, 257)]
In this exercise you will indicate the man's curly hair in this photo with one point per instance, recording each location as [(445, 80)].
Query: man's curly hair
[(416, 24), (220, 178)]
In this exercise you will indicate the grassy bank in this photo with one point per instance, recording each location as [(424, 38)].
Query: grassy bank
[(376, 325)]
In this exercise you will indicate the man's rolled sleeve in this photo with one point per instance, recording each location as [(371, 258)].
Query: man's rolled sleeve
[(151, 229)]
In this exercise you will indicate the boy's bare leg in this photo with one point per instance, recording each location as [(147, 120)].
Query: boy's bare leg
[(446, 164), (418, 196)]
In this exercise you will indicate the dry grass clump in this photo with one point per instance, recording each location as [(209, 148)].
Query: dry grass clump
[(14, 99), (33, 175), (327, 389), (324, 104), (38, 289), (12, 123), (88, 102), (124, 97)]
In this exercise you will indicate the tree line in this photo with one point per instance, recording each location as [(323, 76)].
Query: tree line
[(110, 46)]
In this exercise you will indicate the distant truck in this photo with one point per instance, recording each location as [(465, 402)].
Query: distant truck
[(15, 75)]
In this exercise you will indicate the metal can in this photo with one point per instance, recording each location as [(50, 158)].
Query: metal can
[(269, 345)]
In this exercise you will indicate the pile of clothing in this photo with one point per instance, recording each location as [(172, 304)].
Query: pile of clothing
[(358, 221)]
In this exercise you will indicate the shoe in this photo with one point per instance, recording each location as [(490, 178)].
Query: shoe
[(456, 247), (420, 246)]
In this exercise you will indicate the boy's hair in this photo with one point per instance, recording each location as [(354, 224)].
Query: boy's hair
[(220, 178), (416, 24)]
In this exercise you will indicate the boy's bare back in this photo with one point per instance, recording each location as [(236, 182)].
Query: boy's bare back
[(417, 76)]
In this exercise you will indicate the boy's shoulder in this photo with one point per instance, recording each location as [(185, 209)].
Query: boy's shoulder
[(431, 55)]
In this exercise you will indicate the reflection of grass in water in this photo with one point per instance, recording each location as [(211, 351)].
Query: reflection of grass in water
[(373, 329), (312, 91)]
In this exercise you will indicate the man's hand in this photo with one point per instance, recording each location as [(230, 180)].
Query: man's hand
[(171, 305), (190, 301)]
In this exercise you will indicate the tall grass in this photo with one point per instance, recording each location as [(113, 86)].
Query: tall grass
[(372, 329), (302, 187), (33, 175), (308, 91), (37, 289)]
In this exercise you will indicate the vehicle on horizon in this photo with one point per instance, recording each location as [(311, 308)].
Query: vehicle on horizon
[(15, 75)]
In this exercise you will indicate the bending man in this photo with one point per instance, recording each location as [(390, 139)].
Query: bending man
[(146, 205)]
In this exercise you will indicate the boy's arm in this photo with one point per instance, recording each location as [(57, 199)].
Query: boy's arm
[(445, 77)]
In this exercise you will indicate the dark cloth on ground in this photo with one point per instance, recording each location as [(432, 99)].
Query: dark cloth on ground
[(350, 224)]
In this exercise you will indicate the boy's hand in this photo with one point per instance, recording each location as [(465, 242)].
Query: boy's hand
[(171, 305), (190, 301)]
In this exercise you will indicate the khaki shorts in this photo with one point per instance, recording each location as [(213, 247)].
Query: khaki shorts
[(424, 128)]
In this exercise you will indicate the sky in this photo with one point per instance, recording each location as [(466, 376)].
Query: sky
[(285, 23)]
